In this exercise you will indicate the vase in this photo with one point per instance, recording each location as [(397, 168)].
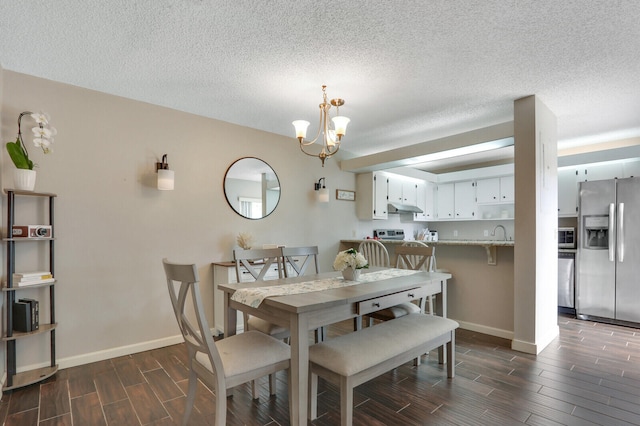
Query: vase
[(351, 274), (24, 179)]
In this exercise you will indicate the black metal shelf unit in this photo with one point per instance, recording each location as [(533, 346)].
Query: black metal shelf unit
[(14, 379)]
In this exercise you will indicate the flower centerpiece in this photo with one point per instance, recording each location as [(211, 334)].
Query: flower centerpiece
[(350, 262), (43, 133)]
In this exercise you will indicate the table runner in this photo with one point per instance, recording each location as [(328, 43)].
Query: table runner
[(254, 296)]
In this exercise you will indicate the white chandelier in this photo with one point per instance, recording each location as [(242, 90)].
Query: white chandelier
[(331, 137)]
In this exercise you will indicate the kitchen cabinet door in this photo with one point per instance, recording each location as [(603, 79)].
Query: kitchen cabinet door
[(507, 189), (371, 199), (567, 192), (465, 200), (425, 201), (410, 193), (394, 189), (601, 171), (445, 201), (488, 190)]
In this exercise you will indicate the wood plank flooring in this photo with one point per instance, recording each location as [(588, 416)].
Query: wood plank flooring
[(590, 375)]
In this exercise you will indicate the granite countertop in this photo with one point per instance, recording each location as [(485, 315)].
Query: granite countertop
[(500, 243)]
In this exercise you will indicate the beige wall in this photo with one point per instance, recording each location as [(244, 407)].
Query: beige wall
[(113, 227)]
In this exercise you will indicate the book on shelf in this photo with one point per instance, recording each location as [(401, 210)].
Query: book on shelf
[(38, 275), (33, 282), (35, 312), (22, 316), (32, 278)]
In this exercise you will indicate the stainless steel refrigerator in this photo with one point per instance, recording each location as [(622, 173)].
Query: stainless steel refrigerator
[(608, 263)]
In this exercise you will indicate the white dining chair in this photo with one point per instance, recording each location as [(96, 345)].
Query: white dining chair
[(224, 364), (253, 265), (375, 252), (297, 260)]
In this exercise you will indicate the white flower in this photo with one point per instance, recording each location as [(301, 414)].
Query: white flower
[(350, 259), (40, 117)]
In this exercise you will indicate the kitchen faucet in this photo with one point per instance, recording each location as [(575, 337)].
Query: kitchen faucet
[(493, 233)]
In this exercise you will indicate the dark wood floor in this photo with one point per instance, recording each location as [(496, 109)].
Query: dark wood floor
[(590, 375)]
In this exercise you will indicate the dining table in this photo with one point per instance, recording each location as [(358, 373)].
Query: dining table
[(309, 302)]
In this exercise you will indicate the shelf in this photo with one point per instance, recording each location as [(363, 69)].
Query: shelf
[(29, 193), (26, 287), (13, 339), (21, 239), (44, 328), (30, 377)]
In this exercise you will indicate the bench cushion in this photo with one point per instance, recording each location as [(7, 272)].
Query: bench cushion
[(355, 352)]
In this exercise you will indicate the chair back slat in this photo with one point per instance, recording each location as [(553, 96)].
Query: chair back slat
[(375, 253), (257, 262), (414, 257), (298, 259)]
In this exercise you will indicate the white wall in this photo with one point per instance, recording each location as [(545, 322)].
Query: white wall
[(113, 227)]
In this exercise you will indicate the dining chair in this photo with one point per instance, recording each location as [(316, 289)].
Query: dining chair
[(407, 257), (253, 265), (224, 364), (377, 255), (375, 252), (296, 262), (298, 259)]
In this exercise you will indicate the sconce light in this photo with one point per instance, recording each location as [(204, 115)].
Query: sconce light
[(323, 195), (165, 176)]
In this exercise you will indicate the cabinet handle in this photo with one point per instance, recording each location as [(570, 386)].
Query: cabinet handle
[(411, 295), (376, 305)]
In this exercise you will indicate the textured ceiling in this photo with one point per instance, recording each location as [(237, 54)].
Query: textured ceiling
[(410, 71)]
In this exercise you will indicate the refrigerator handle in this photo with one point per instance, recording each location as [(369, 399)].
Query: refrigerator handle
[(620, 232), (612, 226)]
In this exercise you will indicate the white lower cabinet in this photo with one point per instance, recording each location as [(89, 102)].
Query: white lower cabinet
[(225, 273)]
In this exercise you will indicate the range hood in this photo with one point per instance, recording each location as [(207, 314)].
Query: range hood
[(403, 208)]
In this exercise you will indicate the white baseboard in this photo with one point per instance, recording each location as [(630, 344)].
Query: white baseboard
[(491, 331), (536, 348), (90, 357)]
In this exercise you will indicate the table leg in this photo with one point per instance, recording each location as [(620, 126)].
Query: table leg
[(230, 317), (441, 310), (299, 369)]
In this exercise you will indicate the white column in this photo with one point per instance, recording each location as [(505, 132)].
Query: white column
[(536, 222)]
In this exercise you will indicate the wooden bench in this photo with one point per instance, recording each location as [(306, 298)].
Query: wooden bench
[(352, 359)]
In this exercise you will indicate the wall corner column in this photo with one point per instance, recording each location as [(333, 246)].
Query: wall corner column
[(535, 319)]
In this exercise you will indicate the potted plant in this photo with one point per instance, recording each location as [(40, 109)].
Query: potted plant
[(350, 262), (24, 176)]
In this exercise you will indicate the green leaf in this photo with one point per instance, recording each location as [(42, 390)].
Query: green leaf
[(19, 156)]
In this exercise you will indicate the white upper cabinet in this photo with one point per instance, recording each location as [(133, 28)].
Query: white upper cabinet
[(456, 200), (425, 198), (495, 190), (465, 200), (371, 196), (402, 191), (507, 189), (602, 171), (445, 201), (488, 190), (568, 192)]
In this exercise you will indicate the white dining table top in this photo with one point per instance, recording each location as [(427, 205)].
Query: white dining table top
[(323, 299)]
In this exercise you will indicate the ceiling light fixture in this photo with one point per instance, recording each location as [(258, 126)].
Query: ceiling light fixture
[(330, 137)]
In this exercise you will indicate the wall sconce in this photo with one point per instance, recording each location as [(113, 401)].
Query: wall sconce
[(165, 176), (323, 195)]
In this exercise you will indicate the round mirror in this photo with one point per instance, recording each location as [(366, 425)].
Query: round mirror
[(252, 188)]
